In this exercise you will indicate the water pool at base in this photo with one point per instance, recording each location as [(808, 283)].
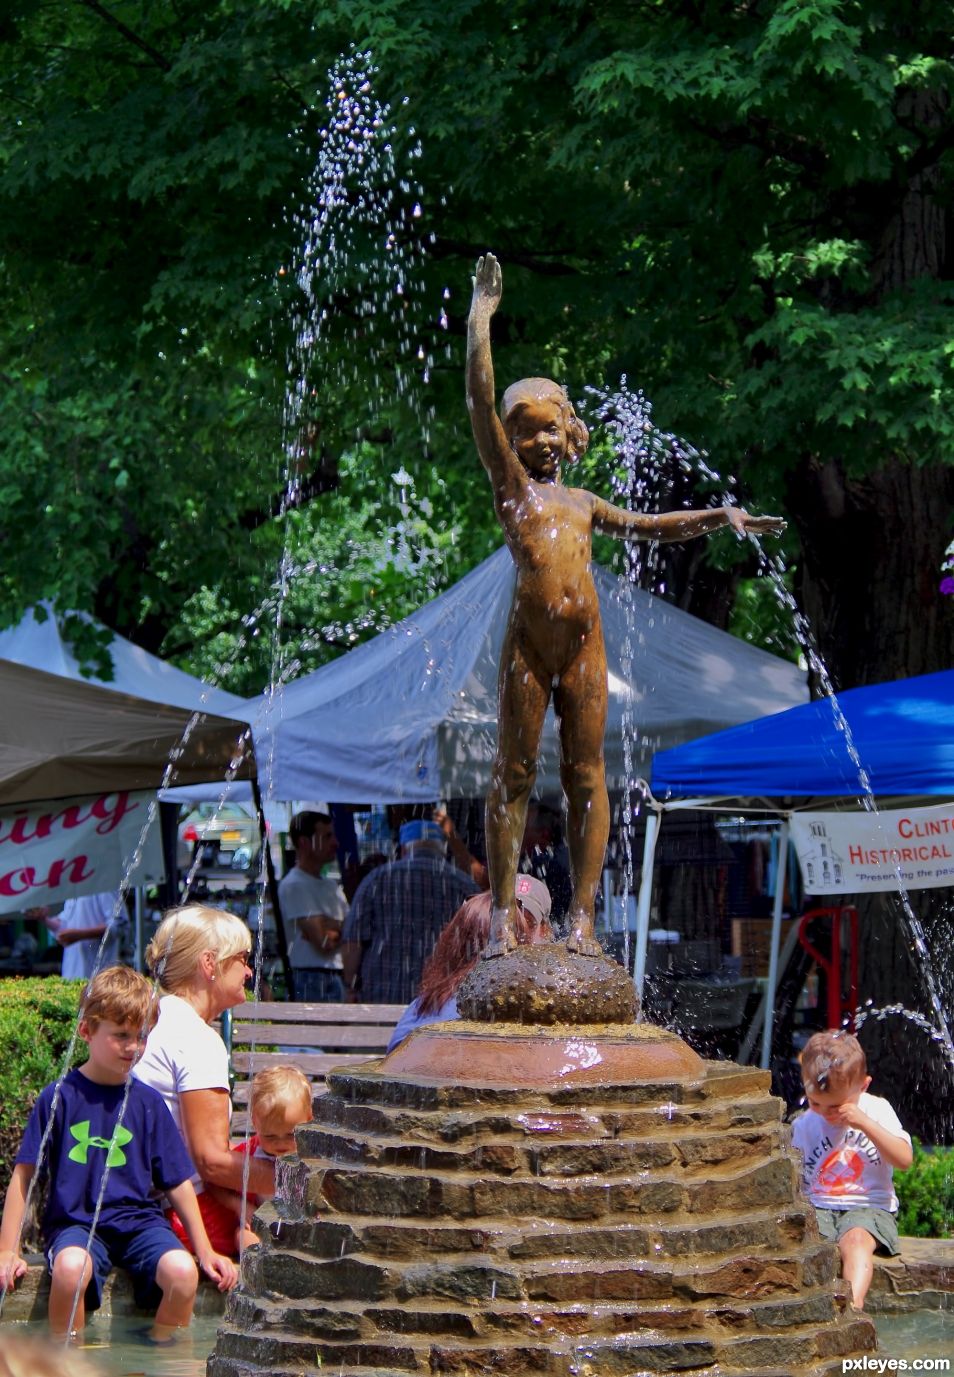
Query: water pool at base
[(118, 1348), (924, 1334)]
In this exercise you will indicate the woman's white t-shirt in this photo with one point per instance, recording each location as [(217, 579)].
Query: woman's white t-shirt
[(182, 1053)]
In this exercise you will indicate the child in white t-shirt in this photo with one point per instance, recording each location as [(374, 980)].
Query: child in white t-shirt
[(850, 1143)]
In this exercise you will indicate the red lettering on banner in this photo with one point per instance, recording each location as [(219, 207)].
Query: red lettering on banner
[(19, 834), (112, 817), (17, 882), (77, 872), (24, 878), (924, 827), (109, 808)]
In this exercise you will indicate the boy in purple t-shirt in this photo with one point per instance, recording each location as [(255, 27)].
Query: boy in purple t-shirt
[(111, 1140)]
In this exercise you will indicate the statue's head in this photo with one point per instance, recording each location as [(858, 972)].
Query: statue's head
[(541, 425)]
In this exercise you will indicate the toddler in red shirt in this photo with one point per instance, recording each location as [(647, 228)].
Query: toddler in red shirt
[(280, 1100)]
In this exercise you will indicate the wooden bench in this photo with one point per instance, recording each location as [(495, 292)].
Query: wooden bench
[(314, 1037)]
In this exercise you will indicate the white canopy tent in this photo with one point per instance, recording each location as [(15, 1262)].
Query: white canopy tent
[(72, 734), (411, 716), (38, 643)]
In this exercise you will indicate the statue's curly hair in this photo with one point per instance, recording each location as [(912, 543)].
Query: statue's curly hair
[(521, 394)]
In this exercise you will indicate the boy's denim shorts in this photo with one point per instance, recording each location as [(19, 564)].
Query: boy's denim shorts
[(138, 1253), (880, 1224)]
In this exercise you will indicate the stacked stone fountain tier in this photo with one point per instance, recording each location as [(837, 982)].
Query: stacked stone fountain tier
[(633, 1210)]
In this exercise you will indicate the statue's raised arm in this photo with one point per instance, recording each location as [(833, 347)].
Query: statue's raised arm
[(493, 447)]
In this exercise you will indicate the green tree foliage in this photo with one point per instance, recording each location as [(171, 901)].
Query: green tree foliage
[(744, 209)]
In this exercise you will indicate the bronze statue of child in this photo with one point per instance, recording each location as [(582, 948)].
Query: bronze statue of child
[(554, 639)]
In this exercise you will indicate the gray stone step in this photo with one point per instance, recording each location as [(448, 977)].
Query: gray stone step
[(320, 1186), (793, 1350), (692, 1152), (662, 1238), (358, 1279), (541, 1122)]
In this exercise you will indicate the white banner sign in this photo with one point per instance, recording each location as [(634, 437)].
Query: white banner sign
[(855, 853), (56, 851)]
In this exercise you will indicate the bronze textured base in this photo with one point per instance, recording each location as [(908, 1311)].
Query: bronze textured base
[(548, 984), (517, 1054)]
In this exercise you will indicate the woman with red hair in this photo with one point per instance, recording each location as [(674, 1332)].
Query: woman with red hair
[(458, 950)]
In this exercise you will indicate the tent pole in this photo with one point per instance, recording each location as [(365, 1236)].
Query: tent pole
[(137, 929), (273, 895), (755, 1027), (769, 1023), (644, 901)]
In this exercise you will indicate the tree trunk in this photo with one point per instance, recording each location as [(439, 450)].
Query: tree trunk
[(875, 617), (872, 547)]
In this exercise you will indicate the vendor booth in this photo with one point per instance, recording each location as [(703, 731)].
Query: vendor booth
[(100, 755), (892, 741)]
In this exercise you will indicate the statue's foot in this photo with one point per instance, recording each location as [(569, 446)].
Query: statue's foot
[(502, 936), (580, 937), (500, 948)]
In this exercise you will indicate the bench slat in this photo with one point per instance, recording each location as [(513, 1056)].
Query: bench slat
[(317, 1013), (303, 1035), (312, 1063), (340, 1034)]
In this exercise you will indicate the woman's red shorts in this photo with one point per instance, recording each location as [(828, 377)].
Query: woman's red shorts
[(220, 1223)]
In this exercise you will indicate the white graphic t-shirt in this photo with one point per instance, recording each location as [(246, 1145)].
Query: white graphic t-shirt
[(841, 1167)]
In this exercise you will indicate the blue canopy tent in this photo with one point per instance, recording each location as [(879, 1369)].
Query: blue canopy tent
[(902, 734)]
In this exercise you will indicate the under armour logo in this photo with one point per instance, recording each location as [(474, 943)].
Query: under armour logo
[(115, 1157)]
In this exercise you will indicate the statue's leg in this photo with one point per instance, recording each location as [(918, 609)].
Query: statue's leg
[(580, 700), (524, 693)]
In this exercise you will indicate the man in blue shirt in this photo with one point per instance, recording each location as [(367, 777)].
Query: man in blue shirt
[(397, 914)]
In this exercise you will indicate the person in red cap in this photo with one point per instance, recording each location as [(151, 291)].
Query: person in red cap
[(459, 948)]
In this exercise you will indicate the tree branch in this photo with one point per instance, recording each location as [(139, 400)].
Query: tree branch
[(282, 80), (128, 34)]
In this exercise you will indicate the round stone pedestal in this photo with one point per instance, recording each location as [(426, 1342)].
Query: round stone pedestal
[(615, 1219), (517, 1054)]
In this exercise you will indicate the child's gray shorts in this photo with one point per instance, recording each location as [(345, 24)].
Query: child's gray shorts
[(880, 1224)]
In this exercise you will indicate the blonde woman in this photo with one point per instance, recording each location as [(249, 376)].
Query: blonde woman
[(200, 957)]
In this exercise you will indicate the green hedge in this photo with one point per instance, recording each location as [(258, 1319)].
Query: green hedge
[(37, 1018), (926, 1194)]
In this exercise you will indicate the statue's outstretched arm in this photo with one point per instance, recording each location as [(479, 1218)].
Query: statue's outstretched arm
[(672, 526), (495, 453)]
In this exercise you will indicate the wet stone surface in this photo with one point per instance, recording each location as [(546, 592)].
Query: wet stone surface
[(565, 1231)]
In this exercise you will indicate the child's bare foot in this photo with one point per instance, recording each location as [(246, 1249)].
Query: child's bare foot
[(162, 1333), (502, 936), (580, 937)]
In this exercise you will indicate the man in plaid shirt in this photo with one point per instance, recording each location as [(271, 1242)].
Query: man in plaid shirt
[(396, 916)]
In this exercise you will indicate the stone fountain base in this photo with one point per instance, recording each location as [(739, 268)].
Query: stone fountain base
[(610, 1219)]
